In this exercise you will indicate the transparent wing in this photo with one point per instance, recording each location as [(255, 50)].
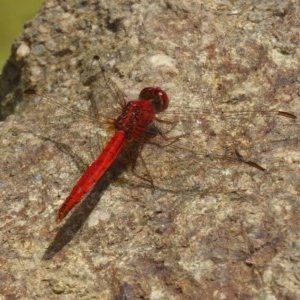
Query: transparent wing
[(82, 121), (215, 149)]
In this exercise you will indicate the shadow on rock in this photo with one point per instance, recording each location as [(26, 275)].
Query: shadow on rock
[(80, 214)]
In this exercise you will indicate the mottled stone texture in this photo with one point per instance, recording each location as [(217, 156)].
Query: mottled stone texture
[(223, 230)]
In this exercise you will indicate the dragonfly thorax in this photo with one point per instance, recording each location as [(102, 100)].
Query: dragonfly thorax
[(135, 119)]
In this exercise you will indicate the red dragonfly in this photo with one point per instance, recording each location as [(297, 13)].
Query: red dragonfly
[(137, 122)]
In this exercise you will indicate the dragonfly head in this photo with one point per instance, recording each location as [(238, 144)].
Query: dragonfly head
[(157, 96)]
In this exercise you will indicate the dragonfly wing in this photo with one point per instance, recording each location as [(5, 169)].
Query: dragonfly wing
[(215, 153)]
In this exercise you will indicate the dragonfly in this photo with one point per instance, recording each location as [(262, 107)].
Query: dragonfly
[(137, 122)]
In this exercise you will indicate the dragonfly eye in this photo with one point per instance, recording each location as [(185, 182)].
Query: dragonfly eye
[(158, 97)]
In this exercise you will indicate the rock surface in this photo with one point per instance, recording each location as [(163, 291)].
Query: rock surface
[(235, 235)]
